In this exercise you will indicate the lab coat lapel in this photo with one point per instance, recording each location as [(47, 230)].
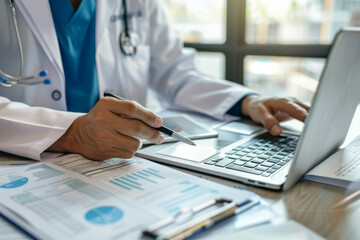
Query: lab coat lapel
[(39, 18), (104, 10)]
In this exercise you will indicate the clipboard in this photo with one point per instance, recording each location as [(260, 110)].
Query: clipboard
[(225, 208)]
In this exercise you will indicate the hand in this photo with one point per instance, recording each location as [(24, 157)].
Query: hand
[(270, 111), (109, 130)]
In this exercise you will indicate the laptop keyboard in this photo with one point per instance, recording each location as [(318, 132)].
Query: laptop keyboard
[(262, 155)]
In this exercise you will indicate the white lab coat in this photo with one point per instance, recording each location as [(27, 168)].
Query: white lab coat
[(32, 118)]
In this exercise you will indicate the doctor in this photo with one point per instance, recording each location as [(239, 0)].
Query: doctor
[(77, 43)]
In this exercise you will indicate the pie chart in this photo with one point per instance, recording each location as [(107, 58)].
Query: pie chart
[(12, 181), (104, 215)]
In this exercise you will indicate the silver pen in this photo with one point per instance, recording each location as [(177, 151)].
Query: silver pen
[(162, 129)]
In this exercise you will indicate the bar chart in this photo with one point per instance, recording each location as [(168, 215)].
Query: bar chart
[(138, 180)]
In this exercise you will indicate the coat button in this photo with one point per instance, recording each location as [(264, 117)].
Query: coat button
[(56, 95)]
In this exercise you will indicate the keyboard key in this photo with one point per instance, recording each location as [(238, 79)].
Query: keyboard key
[(244, 169), (258, 152), (261, 168), (250, 165), (238, 162), (209, 162), (267, 164), (241, 153), (224, 162), (276, 167), (273, 160), (271, 171), (237, 149), (266, 174), (234, 156), (264, 149), (257, 160), (263, 156), (278, 157), (282, 163), (245, 158), (246, 150), (215, 159), (248, 143), (252, 155), (282, 154), (230, 152)]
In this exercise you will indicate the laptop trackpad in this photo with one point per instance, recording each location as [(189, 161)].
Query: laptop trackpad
[(184, 151)]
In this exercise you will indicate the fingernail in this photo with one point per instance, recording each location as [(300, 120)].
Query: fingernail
[(158, 122), (161, 138), (275, 130)]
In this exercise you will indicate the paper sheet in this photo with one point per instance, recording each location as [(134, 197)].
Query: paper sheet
[(184, 151), (75, 207), (159, 188), (341, 168)]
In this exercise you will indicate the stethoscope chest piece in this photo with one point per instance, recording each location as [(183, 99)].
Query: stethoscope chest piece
[(128, 43)]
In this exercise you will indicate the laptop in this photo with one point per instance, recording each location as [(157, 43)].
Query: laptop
[(279, 162)]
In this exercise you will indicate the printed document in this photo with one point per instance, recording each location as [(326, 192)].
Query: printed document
[(53, 203), (341, 168), (159, 188)]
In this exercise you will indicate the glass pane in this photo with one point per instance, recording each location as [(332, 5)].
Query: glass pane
[(298, 21), (283, 76), (199, 21), (212, 64)]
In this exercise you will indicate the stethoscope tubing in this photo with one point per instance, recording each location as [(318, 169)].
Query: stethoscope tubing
[(8, 80)]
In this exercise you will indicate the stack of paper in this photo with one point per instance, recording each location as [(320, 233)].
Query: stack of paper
[(113, 199)]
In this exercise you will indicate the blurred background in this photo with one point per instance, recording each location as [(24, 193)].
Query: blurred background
[(276, 47)]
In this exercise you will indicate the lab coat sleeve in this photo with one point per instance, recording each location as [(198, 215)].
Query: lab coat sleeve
[(174, 77), (29, 131)]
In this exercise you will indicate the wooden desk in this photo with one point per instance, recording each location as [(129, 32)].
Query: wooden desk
[(311, 205)]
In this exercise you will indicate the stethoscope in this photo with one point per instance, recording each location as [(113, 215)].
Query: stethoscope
[(8, 80), (128, 41), (128, 44)]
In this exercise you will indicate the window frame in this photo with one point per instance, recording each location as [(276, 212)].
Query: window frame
[(236, 49)]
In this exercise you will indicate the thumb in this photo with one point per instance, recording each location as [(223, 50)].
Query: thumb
[(271, 124)]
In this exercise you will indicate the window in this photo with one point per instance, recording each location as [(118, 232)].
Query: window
[(199, 21), (276, 47), (285, 76), (298, 21)]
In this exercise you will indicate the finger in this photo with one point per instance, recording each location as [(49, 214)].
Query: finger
[(269, 121), (301, 104), (292, 109), (133, 127), (127, 143), (282, 117), (134, 110)]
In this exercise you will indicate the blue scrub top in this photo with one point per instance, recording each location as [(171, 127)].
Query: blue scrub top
[(76, 35)]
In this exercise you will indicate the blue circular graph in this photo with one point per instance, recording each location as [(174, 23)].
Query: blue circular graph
[(12, 181), (104, 215)]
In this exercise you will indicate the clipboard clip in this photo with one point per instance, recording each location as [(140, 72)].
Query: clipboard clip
[(227, 208)]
